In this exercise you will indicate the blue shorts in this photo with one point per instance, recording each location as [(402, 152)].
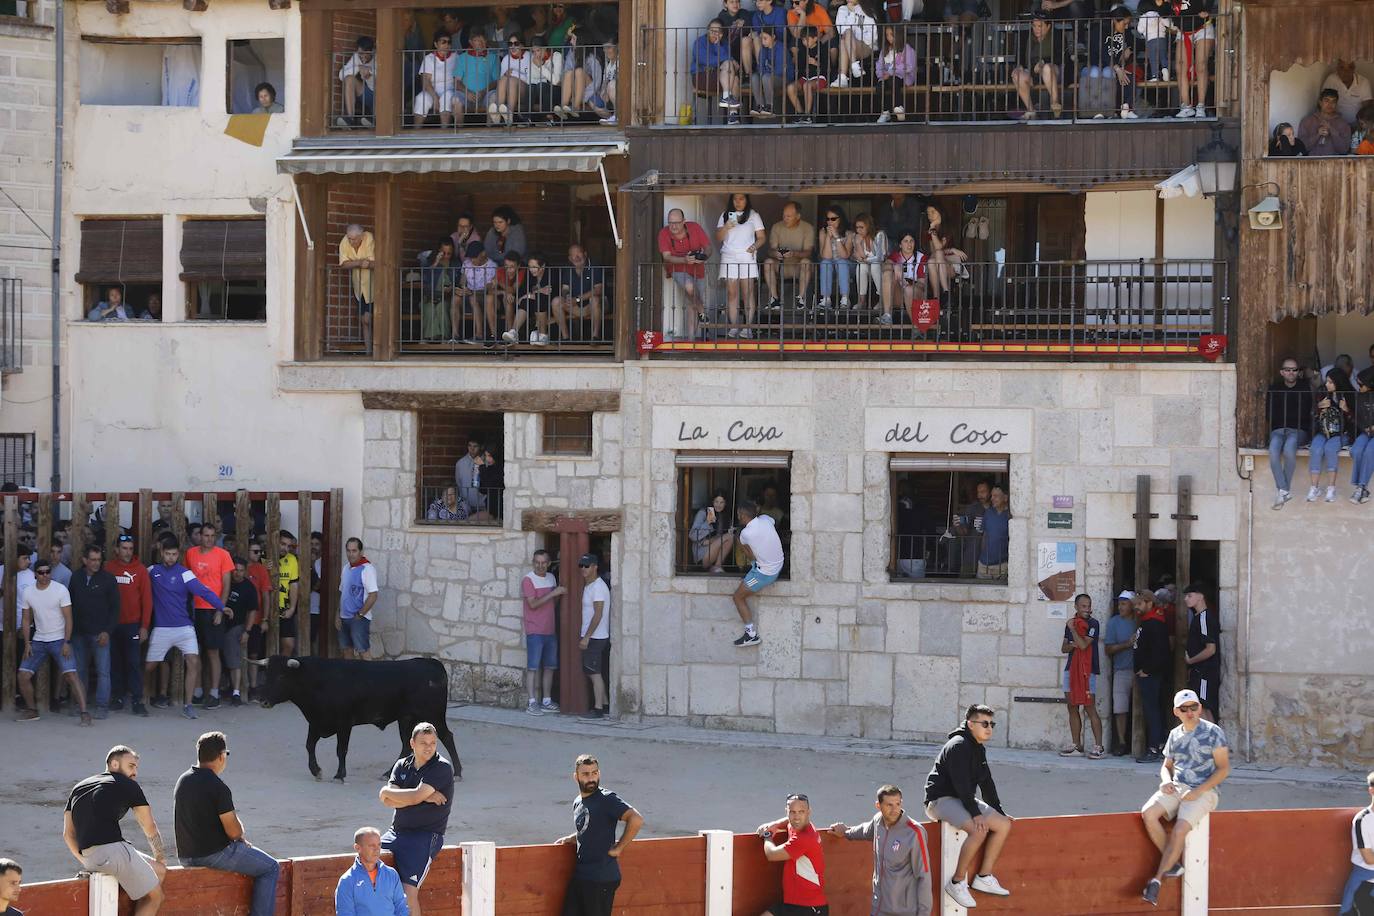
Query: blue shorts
[(1092, 682), (541, 651), (41, 651), (756, 581), (412, 853), (356, 633)]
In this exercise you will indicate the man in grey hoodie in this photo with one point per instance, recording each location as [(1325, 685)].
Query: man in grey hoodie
[(901, 857)]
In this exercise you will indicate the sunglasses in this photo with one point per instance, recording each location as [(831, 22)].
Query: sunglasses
[(42, 572), (1190, 707), (988, 724), (1289, 369), (832, 219), (797, 796), (126, 539), (584, 566)]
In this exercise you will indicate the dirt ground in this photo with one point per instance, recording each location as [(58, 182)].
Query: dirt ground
[(517, 787)]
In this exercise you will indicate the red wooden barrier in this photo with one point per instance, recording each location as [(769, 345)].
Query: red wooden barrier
[(62, 897), (204, 892), (1280, 859), (659, 876)]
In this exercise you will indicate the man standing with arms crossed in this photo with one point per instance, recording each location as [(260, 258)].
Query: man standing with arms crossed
[(213, 568), (759, 538), (539, 590), (421, 792), (90, 828), (901, 857), (1080, 677), (596, 631), (358, 593), (1197, 759), (596, 812), (130, 634)]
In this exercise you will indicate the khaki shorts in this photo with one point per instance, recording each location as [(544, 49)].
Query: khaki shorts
[(950, 810), (131, 868), (993, 571), (1191, 811), (1122, 680)]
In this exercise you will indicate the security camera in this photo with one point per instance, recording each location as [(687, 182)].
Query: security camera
[(1267, 214)]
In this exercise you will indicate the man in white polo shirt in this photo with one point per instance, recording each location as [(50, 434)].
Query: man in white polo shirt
[(760, 540), (596, 630)]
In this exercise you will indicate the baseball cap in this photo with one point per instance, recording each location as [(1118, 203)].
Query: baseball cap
[(1194, 588), (1126, 595), (589, 559), (1185, 696)]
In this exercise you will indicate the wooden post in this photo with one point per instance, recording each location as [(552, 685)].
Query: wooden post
[(386, 289), (573, 689), (78, 533), (1142, 580), (387, 80), (143, 526), (112, 526), (209, 509), (179, 518), (9, 608), (1183, 568), (272, 554), (317, 70), (305, 518), (332, 569), (243, 522)]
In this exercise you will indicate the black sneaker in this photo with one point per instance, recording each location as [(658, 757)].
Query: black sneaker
[(1176, 871), (162, 701), (140, 710), (748, 639), (489, 343), (592, 714), (212, 703), (116, 705), (774, 305), (198, 699), (236, 700), (1151, 893)]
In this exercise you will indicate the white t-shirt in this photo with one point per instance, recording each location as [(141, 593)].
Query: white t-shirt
[(440, 72), (762, 539), (856, 22), (735, 248), (1349, 98), (46, 605), (354, 65), (1361, 836), (592, 592), (517, 67)]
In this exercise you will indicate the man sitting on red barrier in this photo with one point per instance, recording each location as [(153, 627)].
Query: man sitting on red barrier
[(803, 877), (1197, 759), (901, 857)]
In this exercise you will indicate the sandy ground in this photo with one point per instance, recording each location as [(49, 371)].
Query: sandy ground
[(517, 786)]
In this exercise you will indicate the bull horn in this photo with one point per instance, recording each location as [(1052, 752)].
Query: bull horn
[(293, 663), (260, 662)]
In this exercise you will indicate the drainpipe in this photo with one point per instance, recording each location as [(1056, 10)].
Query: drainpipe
[(60, 45)]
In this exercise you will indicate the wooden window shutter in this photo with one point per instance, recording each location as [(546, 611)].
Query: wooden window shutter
[(224, 249), (121, 251)]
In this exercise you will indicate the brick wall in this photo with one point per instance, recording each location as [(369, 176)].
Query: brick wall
[(350, 203), (429, 211), (443, 439), (348, 26)]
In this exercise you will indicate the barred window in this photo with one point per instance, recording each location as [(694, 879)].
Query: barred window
[(939, 528), (710, 487), (460, 479), (16, 459), (567, 434)]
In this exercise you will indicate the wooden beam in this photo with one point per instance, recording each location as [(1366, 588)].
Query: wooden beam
[(305, 522), (113, 529), (243, 522), (9, 607), (317, 69), (557, 401), (388, 232), (179, 519), (387, 81), (272, 556), (143, 524), (1142, 580), (573, 540), (332, 551), (1183, 570), (596, 521)]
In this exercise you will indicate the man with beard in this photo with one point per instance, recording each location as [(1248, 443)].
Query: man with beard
[(591, 892)]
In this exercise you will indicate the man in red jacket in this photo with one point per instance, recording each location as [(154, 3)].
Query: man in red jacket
[(135, 616)]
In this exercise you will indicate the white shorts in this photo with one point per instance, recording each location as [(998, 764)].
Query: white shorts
[(163, 639), (422, 106), (746, 271), (1206, 33)]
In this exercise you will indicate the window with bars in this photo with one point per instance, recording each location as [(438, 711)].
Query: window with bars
[(19, 9), (121, 268), (460, 477), (16, 459), (946, 520), (567, 434), (224, 266), (710, 486)]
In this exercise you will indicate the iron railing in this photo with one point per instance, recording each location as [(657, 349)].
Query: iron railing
[(943, 555), (351, 105), (1053, 308), (472, 506), (951, 72), (11, 323)]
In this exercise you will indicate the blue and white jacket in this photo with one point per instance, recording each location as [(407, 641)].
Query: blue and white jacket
[(355, 895)]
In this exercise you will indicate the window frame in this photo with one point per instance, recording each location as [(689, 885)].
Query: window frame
[(766, 466), (229, 73), (548, 437), (491, 433), (27, 444), (977, 466)]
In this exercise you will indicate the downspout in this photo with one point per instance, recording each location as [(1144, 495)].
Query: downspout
[(60, 45)]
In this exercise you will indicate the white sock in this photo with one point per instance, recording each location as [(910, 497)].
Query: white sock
[(214, 692), (236, 693), (548, 701), (750, 629)]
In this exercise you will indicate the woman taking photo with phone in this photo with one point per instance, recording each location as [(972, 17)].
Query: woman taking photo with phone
[(740, 234), (712, 535)]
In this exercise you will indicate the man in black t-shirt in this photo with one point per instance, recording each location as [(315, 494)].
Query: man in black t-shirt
[(239, 607), (11, 876), (209, 832), (90, 828), (591, 892), (1204, 652), (421, 792)]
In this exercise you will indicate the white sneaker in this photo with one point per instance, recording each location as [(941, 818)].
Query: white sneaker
[(825, 302), (959, 893), (1311, 494), (1280, 498), (539, 338), (841, 82), (1099, 117), (746, 334), (844, 302), (987, 884), (1200, 111), (899, 112), (1127, 113), (856, 70), (885, 117), (341, 121), (609, 121), (511, 337), (1164, 74), (532, 708), (1331, 494), (1185, 112), (1355, 497)]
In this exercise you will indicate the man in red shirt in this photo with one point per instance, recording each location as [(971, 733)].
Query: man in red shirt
[(685, 248), (135, 617), (213, 566), (803, 875)]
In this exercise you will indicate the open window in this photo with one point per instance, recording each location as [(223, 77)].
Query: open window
[(707, 531), (224, 266), (460, 478), (121, 268), (256, 75), (16, 459), (1294, 94), (165, 72), (939, 525), (18, 9)]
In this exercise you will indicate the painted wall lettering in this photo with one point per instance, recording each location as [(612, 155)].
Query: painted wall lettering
[(948, 429), (900, 433)]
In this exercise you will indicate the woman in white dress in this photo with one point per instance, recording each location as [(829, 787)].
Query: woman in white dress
[(740, 234)]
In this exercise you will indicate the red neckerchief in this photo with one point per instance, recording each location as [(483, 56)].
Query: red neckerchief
[(481, 53), (361, 561), (442, 55), (1154, 613)]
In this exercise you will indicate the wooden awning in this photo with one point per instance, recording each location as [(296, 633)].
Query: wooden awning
[(1286, 33)]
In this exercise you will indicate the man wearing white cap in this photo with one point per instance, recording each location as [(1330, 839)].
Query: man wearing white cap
[(1196, 761), (1120, 644)]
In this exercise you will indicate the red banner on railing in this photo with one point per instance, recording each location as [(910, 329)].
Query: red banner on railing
[(925, 313), (1211, 346), (649, 341)]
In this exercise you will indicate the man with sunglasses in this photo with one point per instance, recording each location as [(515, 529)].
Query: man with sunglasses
[(131, 632), (47, 607), (1197, 759), (803, 874), (961, 768)]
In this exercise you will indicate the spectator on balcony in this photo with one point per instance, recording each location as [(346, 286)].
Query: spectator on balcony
[(739, 230), (153, 311), (869, 250), (561, 24), (1324, 131), (713, 70), (858, 34), (1352, 89), (815, 70), (413, 48), (266, 94), (451, 23), (992, 554), (958, 12), (584, 79), (111, 308), (1362, 138), (479, 295), (1065, 9), (474, 78), (1042, 56), (582, 296), (906, 275), (806, 14), (358, 253), (437, 94), (1153, 21), (1331, 426), (539, 24), (1344, 362), (900, 214), (464, 232), (469, 473), (791, 242), (1284, 142), (506, 234), (534, 297), (602, 99), (768, 16), (509, 277), (1120, 51), (511, 87), (946, 263), (501, 28), (1197, 37), (542, 93), (773, 73), (440, 278), (685, 248), (712, 534), (447, 507), (895, 71), (737, 33), (834, 247), (1361, 455), (358, 77)]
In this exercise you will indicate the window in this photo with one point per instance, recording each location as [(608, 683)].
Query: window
[(939, 525), (567, 434), (461, 465), (121, 72), (1295, 93), (18, 9), (224, 266), (16, 459), (254, 62), (121, 259), (707, 545)]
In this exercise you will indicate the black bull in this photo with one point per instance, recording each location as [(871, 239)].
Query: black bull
[(335, 694)]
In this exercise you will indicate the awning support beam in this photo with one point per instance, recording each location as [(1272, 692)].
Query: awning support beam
[(610, 210), (300, 212)]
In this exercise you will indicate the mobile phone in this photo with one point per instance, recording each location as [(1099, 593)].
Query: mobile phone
[(784, 251)]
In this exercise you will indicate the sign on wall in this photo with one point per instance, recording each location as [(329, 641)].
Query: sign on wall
[(1056, 570), (947, 429), (775, 429)]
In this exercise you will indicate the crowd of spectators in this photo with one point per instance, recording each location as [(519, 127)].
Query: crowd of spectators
[(1342, 125), (1329, 410)]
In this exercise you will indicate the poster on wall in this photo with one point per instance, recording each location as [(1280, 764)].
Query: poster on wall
[(1056, 570)]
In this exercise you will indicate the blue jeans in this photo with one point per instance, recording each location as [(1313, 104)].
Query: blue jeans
[(242, 859), (1362, 460), (829, 266), (1358, 875), (1325, 453), (126, 662), (85, 648), (1283, 455), (1157, 55)]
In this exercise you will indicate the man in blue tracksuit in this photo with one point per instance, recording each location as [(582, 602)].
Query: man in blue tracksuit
[(173, 585), (370, 887)]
